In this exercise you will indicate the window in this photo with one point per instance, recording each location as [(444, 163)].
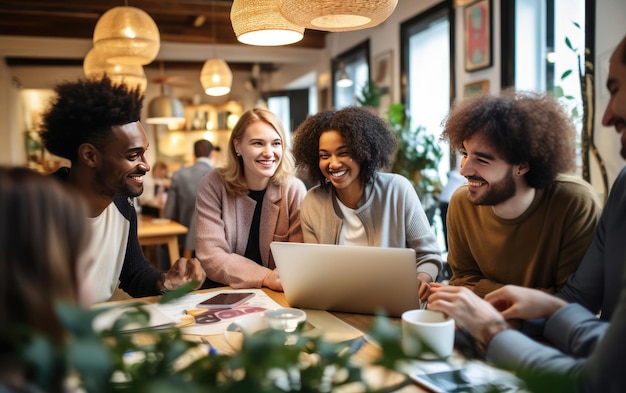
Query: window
[(355, 64), (427, 77), (540, 55)]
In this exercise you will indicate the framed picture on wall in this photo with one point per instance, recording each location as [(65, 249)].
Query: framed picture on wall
[(476, 88), (477, 35), (383, 78)]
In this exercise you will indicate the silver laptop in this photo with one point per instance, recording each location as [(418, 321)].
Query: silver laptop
[(355, 279)]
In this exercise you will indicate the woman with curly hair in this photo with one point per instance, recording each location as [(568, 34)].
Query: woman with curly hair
[(248, 203), (355, 203), (517, 220)]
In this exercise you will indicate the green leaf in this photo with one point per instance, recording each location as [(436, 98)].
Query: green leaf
[(369, 95), (558, 91), (179, 292), (566, 74), (39, 352), (79, 321), (93, 361)]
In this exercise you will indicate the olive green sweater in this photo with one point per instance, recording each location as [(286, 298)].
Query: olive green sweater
[(538, 249)]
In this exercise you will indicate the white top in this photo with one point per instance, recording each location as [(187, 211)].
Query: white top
[(99, 271), (352, 231)]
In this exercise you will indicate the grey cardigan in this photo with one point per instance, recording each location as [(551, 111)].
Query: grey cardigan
[(391, 213)]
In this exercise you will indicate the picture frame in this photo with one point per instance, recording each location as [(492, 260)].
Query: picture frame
[(476, 88), (383, 78), (478, 35)]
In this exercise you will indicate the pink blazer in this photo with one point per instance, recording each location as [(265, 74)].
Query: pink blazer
[(223, 223)]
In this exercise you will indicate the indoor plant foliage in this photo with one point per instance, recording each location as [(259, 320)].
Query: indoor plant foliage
[(369, 96), (418, 153), (164, 360)]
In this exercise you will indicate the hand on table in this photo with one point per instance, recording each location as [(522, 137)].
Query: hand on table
[(424, 281), (272, 281), (183, 271)]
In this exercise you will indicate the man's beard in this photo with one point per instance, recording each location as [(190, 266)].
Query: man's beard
[(498, 192)]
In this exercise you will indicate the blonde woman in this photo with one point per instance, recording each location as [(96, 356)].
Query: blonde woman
[(251, 201)]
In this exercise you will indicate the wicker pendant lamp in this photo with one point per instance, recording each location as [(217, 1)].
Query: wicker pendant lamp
[(216, 77), (259, 22), (337, 15), (127, 35), (95, 66)]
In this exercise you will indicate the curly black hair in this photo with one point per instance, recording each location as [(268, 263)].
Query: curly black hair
[(372, 143), (84, 112), (524, 126)]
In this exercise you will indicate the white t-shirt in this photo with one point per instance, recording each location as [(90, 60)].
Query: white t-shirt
[(352, 231), (99, 273)]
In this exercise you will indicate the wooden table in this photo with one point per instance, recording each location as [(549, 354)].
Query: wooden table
[(152, 231), (388, 381)]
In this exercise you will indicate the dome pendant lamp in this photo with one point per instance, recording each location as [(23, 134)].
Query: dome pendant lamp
[(166, 109), (95, 66), (337, 15), (127, 35), (259, 22), (216, 77)]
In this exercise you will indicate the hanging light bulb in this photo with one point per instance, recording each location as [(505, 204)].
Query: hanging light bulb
[(95, 66), (216, 77), (343, 79), (127, 35), (259, 22), (337, 15)]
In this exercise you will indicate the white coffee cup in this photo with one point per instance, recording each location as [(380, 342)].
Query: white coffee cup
[(427, 334), (285, 319)]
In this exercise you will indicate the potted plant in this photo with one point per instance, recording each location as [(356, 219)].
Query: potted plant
[(418, 156), (369, 96)]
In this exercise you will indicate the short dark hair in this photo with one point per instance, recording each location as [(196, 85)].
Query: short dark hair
[(371, 141), (523, 126), (84, 111), (202, 148)]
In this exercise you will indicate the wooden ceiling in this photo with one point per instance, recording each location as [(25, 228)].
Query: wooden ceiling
[(179, 21)]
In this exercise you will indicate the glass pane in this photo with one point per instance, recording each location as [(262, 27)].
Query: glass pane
[(429, 82), (358, 70), (280, 106)]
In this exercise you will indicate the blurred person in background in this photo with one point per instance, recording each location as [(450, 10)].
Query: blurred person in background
[(155, 190), (181, 200)]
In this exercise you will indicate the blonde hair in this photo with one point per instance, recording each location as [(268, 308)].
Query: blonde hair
[(232, 172)]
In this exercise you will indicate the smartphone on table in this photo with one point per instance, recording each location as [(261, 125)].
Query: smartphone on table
[(226, 300)]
